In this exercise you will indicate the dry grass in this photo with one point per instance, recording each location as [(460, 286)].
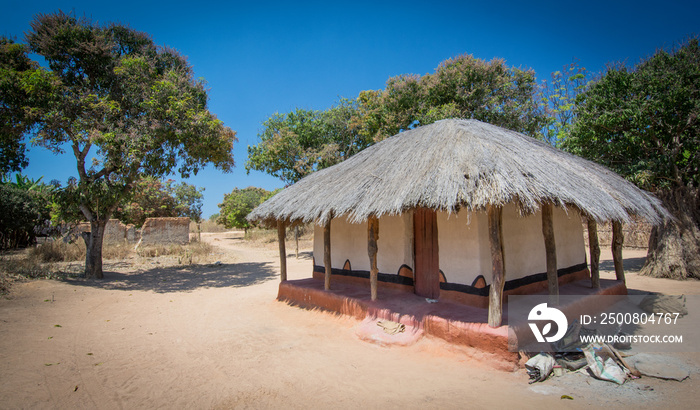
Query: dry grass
[(42, 261), (59, 251), (17, 266), (208, 226), (192, 253)]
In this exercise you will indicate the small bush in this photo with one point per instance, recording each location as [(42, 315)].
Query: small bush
[(20, 212)]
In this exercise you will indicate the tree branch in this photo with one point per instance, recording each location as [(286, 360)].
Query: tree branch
[(86, 211), (80, 156)]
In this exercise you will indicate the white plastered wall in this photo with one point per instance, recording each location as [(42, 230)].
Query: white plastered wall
[(523, 242), (349, 242), (463, 243), (462, 238)]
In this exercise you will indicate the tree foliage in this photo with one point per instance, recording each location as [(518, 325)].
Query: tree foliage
[(294, 144), (25, 207), (125, 108), (643, 122), (238, 204), (23, 87), (154, 199), (460, 87), (558, 100)]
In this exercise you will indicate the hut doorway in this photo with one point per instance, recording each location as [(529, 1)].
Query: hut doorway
[(425, 251)]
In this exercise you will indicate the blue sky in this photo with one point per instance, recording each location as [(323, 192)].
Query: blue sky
[(262, 57)]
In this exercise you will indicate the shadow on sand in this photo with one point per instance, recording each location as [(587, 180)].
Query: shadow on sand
[(306, 255), (184, 279), (631, 265)]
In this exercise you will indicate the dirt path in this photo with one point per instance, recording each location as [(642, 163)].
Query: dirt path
[(214, 337)]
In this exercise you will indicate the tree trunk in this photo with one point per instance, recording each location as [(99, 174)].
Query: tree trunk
[(93, 249), (498, 270), (594, 249), (674, 246)]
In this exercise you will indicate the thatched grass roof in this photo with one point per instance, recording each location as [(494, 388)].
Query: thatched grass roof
[(453, 164)]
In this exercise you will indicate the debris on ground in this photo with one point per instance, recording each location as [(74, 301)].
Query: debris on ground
[(600, 360), (391, 328)]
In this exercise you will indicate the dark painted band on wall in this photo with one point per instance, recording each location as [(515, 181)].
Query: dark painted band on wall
[(458, 287), (512, 284), (381, 277)]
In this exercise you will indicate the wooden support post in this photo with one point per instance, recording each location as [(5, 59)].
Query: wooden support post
[(327, 253), (551, 252), (372, 238), (296, 241), (283, 250), (498, 270), (594, 249), (617, 241)]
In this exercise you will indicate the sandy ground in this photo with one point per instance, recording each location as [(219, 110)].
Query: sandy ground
[(213, 336)]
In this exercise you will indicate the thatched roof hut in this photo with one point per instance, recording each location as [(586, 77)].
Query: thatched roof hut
[(418, 184), (454, 164)]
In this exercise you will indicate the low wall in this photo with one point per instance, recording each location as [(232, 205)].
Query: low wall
[(161, 231), (636, 234), (115, 231), (165, 231)]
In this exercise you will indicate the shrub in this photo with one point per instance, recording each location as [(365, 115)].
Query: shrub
[(20, 212)]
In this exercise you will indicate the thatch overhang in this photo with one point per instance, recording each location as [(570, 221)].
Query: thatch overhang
[(453, 164)]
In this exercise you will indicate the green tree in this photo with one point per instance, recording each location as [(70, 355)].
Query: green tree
[(558, 100), (25, 211), (644, 122), (23, 85), (238, 204), (188, 200), (125, 108), (298, 143), (151, 198), (460, 87)]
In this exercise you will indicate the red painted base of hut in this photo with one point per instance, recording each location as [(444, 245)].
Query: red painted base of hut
[(453, 322)]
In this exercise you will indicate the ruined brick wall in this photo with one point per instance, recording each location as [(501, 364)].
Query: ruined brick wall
[(115, 231), (636, 234), (165, 231)]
